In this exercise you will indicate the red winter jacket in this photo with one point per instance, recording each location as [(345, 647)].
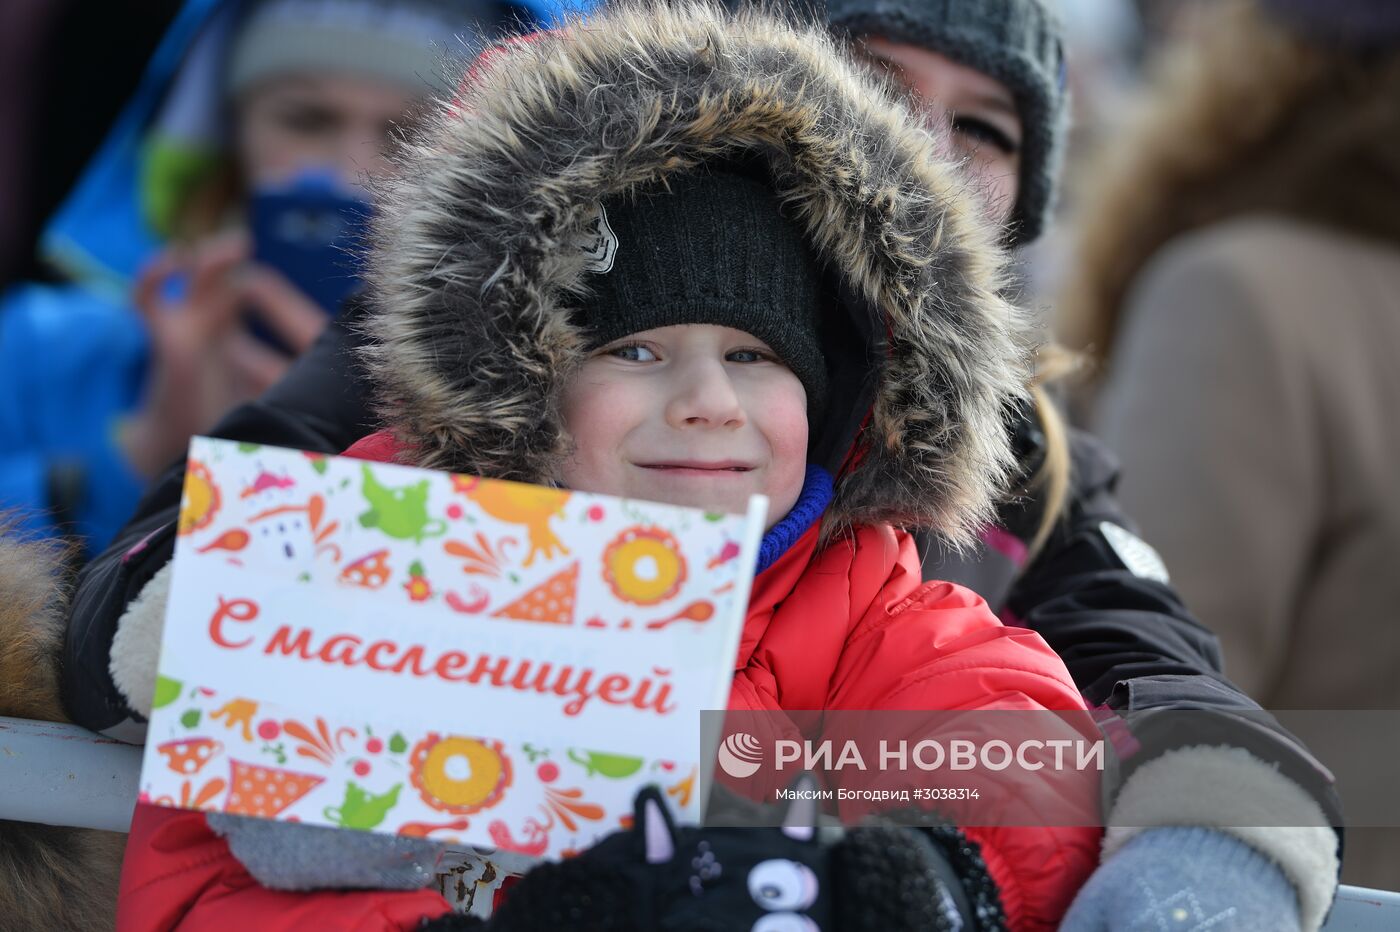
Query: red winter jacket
[(849, 627)]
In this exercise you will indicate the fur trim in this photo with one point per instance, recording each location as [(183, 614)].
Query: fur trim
[(32, 600), (1244, 789), (50, 877), (60, 879), (473, 278), (135, 652)]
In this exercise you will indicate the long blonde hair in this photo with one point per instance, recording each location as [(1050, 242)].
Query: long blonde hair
[(1052, 477)]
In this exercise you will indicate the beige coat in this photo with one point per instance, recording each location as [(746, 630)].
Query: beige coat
[(1254, 396)]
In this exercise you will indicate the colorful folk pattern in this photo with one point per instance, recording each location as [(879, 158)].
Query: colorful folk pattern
[(529, 505), (266, 791), (352, 777), (327, 514), (201, 501), (190, 755), (552, 601), (460, 775), (370, 571), (644, 565), (499, 562)]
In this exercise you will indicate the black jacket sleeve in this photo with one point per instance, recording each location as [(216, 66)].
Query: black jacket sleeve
[(321, 404), (1127, 639), (1109, 624)]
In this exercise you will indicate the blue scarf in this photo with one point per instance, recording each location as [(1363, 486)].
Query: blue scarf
[(816, 495)]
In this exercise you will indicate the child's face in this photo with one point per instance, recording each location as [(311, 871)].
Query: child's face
[(695, 414), (290, 123)]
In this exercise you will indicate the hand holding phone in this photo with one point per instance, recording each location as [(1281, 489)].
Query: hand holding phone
[(311, 230)]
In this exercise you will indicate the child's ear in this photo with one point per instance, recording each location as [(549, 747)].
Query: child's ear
[(800, 819), (652, 819)]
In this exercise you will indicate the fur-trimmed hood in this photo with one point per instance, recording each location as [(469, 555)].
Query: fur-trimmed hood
[(51, 877), (474, 271), (32, 605)]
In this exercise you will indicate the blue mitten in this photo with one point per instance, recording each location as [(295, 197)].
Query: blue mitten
[(1185, 879)]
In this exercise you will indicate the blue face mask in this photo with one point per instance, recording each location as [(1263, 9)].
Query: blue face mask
[(311, 230)]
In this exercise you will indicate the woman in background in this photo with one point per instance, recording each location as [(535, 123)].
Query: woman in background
[(1239, 282)]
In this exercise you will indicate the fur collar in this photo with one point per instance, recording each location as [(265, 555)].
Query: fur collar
[(473, 276)]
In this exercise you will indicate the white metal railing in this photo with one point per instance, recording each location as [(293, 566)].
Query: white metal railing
[(66, 775), (1361, 909)]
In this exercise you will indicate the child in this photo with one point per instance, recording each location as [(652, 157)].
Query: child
[(671, 254)]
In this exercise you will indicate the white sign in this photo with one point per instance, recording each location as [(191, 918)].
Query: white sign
[(406, 651)]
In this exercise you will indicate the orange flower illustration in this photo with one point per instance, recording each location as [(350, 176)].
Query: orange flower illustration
[(418, 587), (459, 775), (644, 566)]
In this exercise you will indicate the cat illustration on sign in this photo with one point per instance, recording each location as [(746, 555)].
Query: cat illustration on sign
[(400, 513)]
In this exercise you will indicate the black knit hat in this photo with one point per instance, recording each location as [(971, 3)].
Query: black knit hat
[(713, 247), (1018, 42)]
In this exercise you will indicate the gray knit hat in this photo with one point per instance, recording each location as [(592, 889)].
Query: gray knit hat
[(712, 247), (1018, 42), (404, 42)]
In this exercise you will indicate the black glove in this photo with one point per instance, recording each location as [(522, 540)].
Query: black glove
[(658, 876)]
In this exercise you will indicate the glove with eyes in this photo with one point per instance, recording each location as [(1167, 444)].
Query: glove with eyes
[(658, 876)]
